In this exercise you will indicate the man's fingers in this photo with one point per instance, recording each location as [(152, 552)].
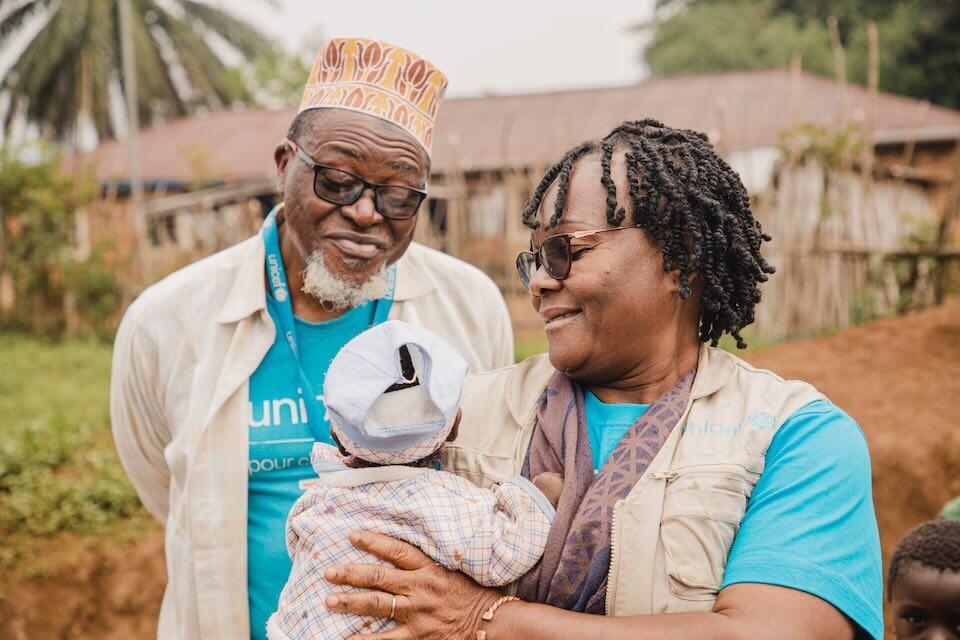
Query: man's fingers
[(396, 552), (366, 576)]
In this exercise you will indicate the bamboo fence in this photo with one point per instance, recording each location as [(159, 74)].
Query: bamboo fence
[(839, 248)]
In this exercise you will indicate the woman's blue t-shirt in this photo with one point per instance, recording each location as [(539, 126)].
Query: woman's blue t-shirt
[(607, 424), (810, 523)]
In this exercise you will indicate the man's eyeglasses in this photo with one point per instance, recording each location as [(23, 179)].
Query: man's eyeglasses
[(342, 187), (555, 255)]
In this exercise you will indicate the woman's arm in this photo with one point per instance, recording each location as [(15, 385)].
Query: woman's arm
[(433, 604), (742, 612)]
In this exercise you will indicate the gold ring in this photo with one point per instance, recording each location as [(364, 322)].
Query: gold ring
[(393, 606)]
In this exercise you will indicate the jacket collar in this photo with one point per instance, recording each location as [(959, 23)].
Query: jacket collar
[(527, 380), (714, 368), (248, 294), (413, 279), (526, 383)]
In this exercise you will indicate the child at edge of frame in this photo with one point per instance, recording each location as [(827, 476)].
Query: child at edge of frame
[(923, 584)]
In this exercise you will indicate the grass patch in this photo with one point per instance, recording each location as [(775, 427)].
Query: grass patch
[(526, 344), (59, 471)]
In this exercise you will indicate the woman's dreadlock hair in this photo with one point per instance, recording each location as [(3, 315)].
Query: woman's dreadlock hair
[(692, 204), (934, 544)]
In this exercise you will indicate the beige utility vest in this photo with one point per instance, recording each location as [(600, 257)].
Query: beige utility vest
[(671, 535)]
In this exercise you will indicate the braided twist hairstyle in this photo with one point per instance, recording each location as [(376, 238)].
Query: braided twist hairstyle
[(689, 200), (934, 544)]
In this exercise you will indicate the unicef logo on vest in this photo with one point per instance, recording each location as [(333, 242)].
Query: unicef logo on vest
[(280, 295)]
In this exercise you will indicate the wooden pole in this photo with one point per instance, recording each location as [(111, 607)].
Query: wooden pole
[(135, 211), (796, 77), (873, 87), (839, 65)]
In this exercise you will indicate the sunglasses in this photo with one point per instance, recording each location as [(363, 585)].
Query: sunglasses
[(555, 255), (342, 187)]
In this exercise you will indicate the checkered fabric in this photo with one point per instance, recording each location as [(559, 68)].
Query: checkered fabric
[(410, 454), (494, 536)]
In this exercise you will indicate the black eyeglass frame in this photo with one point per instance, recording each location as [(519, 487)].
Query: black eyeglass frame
[(525, 258), (378, 194)]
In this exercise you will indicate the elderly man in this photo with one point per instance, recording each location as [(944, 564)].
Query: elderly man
[(217, 389)]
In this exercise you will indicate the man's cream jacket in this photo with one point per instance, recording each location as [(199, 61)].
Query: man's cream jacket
[(179, 396)]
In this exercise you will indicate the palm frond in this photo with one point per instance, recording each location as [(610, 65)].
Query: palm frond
[(102, 55), (205, 71), (156, 91), (75, 58), (45, 74), (238, 33), (13, 22)]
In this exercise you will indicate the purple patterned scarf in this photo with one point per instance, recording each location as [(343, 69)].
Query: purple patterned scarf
[(573, 572)]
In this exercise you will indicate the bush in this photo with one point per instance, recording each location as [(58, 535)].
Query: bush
[(54, 291), (58, 468)]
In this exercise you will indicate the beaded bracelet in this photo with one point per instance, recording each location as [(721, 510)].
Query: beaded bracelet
[(488, 614)]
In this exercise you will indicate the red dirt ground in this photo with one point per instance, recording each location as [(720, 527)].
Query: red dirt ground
[(896, 377)]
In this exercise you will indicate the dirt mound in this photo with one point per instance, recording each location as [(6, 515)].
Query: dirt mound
[(897, 377), (87, 593)]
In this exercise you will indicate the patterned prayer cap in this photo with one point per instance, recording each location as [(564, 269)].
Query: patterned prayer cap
[(378, 79), (392, 393)]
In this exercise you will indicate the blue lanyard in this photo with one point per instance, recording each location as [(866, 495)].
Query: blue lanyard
[(277, 281)]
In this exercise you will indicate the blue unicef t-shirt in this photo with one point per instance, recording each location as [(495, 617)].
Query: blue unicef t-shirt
[(810, 523), (280, 444)]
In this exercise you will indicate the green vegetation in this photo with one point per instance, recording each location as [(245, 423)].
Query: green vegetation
[(58, 468), (919, 53), (48, 277)]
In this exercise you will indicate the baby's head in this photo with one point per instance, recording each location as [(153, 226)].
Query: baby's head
[(923, 585), (393, 394)]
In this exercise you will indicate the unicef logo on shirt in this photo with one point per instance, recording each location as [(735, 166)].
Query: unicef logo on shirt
[(280, 295)]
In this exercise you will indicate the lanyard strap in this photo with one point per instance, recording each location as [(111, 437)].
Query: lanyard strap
[(280, 291)]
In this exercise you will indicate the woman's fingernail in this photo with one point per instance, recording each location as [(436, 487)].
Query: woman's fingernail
[(332, 601), (330, 573)]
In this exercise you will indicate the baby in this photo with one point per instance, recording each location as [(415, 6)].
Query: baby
[(924, 582), (392, 397)]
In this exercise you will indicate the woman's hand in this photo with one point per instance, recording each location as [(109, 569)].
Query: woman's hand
[(432, 602)]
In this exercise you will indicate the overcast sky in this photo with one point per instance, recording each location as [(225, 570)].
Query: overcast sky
[(502, 46)]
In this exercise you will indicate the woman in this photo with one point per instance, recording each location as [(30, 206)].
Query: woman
[(702, 498)]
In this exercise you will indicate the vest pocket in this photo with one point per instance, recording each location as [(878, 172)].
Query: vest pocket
[(481, 469), (702, 510)]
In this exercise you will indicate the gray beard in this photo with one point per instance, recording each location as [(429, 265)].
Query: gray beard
[(336, 293)]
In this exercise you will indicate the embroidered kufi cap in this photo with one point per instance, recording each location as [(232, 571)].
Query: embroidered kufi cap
[(378, 79), (392, 393)]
